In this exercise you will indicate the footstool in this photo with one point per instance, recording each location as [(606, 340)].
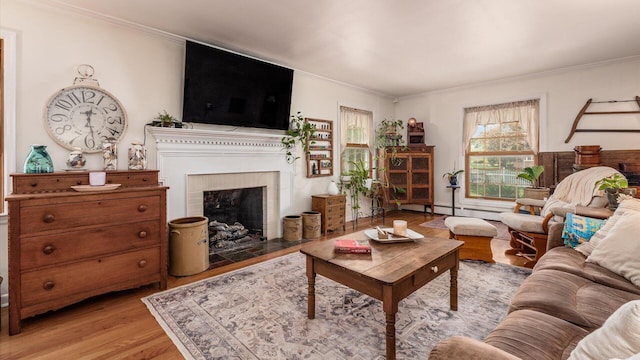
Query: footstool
[(476, 234)]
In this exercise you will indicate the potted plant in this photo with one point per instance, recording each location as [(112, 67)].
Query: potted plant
[(452, 177), (165, 119), (532, 174), (387, 137), (299, 132), (357, 183), (614, 186)]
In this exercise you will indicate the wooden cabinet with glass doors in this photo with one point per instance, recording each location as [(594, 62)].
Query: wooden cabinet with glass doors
[(409, 173)]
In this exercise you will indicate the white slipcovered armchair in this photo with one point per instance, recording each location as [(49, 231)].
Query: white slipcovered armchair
[(577, 193)]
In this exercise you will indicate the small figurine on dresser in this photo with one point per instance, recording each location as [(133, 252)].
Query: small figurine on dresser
[(110, 154), (76, 160), (137, 156)]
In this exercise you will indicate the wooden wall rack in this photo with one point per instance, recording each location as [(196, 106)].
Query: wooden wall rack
[(583, 111)]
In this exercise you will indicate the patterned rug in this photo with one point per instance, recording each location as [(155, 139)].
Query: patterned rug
[(503, 233), (260, 312)]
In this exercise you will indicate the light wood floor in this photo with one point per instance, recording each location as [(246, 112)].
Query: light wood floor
[(118, 325)]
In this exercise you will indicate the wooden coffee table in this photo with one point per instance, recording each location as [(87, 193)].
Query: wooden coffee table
[(390, 273)]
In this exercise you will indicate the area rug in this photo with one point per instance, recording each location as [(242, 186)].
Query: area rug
[(503, 233), (260, 312)]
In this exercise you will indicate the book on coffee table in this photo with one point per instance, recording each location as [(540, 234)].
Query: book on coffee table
[(347, 246)]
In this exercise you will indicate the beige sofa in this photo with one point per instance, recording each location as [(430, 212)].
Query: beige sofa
[(568, 297)]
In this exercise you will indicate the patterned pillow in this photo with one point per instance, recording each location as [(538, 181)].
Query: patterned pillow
[(579, 229)]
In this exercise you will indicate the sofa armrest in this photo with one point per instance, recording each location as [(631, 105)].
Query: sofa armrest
[(554, 235), (533, 205), (460, 347), (598, 213)]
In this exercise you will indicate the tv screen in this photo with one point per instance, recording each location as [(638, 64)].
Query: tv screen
[(224, 88)]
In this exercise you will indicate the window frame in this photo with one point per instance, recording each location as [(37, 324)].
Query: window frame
[(467, 154), (345, 146)]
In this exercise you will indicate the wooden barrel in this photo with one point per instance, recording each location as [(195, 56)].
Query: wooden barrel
[(587, 155), (311, 221), (292, 228)]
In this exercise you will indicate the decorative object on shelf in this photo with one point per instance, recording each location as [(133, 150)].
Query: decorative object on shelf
[(532, 174), (332, 189), (415, 132), (76, 160), (164, 119), (615, 186), (82, 115), (38, 161), (110, 154), (583, 111), (452, 176), (137, 156), (299, 132)]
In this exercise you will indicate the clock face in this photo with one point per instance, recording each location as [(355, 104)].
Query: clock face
[(83, 117)]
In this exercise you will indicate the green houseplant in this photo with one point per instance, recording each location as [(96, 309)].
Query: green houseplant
[(356, 182), (614, 186), (532, 174), (387, 137), (299, 132), (165, 119), (452, 177)]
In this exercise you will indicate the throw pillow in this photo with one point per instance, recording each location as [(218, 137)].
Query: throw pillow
[(618, 251), (579, 229), (618, 337), (626, 206)]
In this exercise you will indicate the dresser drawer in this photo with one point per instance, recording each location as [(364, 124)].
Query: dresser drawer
[(86, 276), (336, 200), (436, 268), (334, 224), (74, 214), (73, 245)]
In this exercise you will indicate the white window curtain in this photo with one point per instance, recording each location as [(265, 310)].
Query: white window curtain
[(526, 112), (355, 127)]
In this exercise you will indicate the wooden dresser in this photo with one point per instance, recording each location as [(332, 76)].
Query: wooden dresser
[(332, 209), (66, 246)]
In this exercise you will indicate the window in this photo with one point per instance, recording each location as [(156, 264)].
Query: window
[(500, 141), (355, 137)]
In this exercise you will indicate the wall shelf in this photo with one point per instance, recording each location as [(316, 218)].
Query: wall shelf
[(320, 154), (583, 111)]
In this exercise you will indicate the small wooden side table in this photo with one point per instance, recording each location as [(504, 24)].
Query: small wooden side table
[(332, 209)]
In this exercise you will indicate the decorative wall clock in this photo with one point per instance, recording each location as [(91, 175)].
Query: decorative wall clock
[(84, 115)]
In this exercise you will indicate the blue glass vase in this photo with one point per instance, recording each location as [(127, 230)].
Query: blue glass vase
[(38, 161)]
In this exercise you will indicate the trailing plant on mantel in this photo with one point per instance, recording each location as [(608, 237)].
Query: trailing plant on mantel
[(299, 132)]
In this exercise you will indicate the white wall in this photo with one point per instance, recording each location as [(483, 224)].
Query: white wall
[(564, 93), (144, 70)]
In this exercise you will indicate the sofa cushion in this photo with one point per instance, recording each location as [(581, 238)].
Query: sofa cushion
[(570, 261), (626, 206), (579, 229), (619, 337), (533, 335), (618, 251), (569, 297)]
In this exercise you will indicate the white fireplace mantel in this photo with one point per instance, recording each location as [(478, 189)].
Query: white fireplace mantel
[(183, 152)]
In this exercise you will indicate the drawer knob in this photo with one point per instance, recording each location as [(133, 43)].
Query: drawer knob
[(434, 269), (48, 218), (48, 249), (142, 263), (48, 285), (142, 208), (142, 234)]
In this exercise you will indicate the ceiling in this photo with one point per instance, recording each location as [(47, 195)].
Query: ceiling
[(398, 47)]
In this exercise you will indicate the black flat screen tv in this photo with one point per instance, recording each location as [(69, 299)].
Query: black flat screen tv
[(224, 88)]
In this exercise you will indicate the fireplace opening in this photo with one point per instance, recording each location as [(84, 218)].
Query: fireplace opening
[(236, 217)]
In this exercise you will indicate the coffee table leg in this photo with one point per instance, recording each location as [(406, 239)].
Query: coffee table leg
[(311, 277), (453, 290), (390, 307)]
